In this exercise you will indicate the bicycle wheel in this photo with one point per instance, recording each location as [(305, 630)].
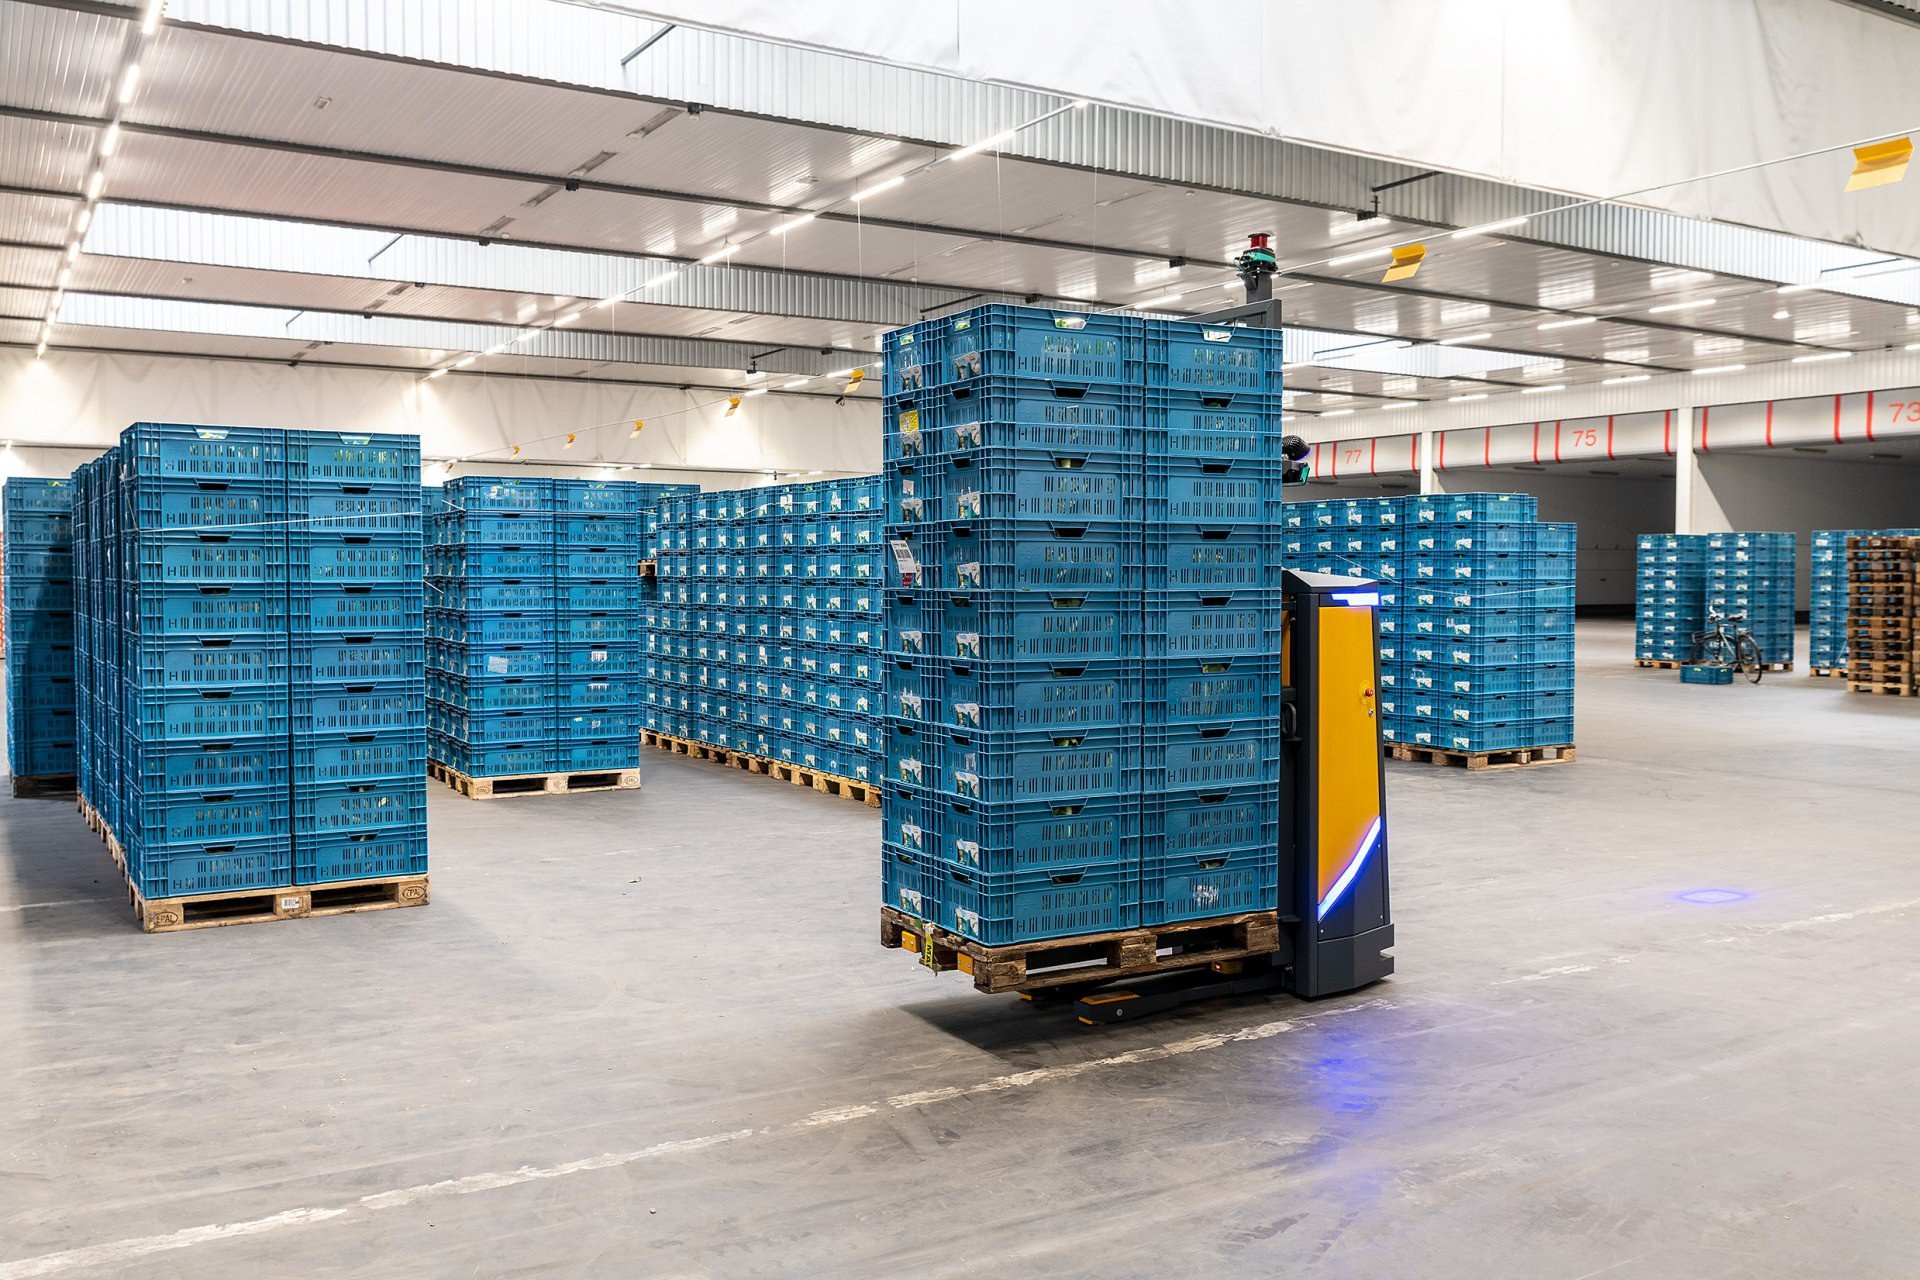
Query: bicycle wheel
[(1716, 648), (1747, 651)]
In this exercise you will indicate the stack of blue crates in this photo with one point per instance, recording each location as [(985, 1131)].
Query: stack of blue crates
[(764, 636), (96, 647), (1486, 625), (1754, 574), (260, 707), (533, 652), (1681, 577), (357, 631), (1082, 680), (1827, 595), (42, 730), (1670, 595)]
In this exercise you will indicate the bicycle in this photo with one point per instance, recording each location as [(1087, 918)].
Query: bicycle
[(1723, 647)]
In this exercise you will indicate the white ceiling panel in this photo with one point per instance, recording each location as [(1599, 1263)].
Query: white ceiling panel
[(29, 266), (19, 332), (28, 303), (35, 219), (762, 161), (223, 176), (202, 282), (117, 339), (44, 155), (58, 59)]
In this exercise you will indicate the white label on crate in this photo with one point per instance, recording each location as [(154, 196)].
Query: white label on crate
[(599, 655), (967, 644), (967, 919), (1217, 335), (967, 714), (497, 664), (967, 784), (969, 851), (903, 561)]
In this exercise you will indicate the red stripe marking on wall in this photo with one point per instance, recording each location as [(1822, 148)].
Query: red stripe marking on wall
[(1536, 444), (1869, 417), (1706, 413), (1440, 455), (1373, 457), (1487, 453), (1609, 437), (1666, 434), (1769, 424), (1836, 419)]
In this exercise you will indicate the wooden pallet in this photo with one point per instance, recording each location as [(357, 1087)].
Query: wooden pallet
[(297, 902), (1827, 673), (1664, 664), (800, 776), (535, 784), (1090, 958), (1891, 688), (1480, 761), (649, 569), (46, 784)]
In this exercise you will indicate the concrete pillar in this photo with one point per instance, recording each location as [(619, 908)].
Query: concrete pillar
[(1686, 468), (1426, 463)]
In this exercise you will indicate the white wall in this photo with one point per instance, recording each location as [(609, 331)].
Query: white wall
[(68, 407), (1797, 493)]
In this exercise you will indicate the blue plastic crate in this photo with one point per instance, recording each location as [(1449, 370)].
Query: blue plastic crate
[(358, 611), (596, 723), (1211, 823), (1486, 651), (1517, 622), (475, 661), (1212, 562), (1212, 757), (1494, 566), (601, 691), (186, 506), (206, 610), (1245, 624), (358, 559), (1210, 691), (1017, 768), (206, 662), (460, 561), (589, 595), (46, 691), (357, 660), (1523, 678), (1049, 490), (40, 532), (1214, 495), (325, 759), (495, 728), (1046, 559), (26, 495), (998, 698), (597, 497), (1202, 886), (905, 884), (357, 709), (1214, 426), (498, 493), (576, 629), (367, 804), (207, 767), (1475, 508), (576, 563), (516, 760), (1479, 593), (1493, 737), (241, 558), (611, 754), (40, 562), (164, 819), (1025, 837), (493, 693), (181, 870), (41, 658), (347, 458), (516, 595), (999, 416), (1535, 537), (999, 340), (607, 532), (1189, 356), (319, 509), (180, 451), (488, 528), (1012, 627), (1031, 905), (493, 629), (359, 855), (27, 594)]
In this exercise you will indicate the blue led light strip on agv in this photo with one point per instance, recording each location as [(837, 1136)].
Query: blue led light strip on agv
[(1353, 869)]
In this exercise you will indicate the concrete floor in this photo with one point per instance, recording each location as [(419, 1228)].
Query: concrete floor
[(654, 1036)]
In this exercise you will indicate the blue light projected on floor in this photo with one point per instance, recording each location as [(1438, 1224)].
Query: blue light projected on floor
[(1713, 896)]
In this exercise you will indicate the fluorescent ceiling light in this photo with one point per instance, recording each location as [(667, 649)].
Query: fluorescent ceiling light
[(1478, 395), (66, 274), (797, 382), (1540, 391), (152, 16), (86, 220), (463, 363), (128, 83), (1824, 355), (839, 373), (1795, 288), (1352, 225), (1720, 368), (1913, 346), (1367, 256), (1152, 303), (1465, 337), (109, 140), (1569, 324), (724, 251), (95, 183), (1632, 377), (757, 391), (609, 300), (877, 188), (494, 351), (1783, 315), (1336, 413), (985, 144), (1487, 228), (73, 251), (790, 224), (1680, 306), (436, 373), (663, 279), (1389, 408)]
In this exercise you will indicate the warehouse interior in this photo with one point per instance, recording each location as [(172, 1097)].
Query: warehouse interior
[(640, 469)]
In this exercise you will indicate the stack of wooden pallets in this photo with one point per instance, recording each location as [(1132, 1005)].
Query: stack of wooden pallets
[(1883, 590)]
